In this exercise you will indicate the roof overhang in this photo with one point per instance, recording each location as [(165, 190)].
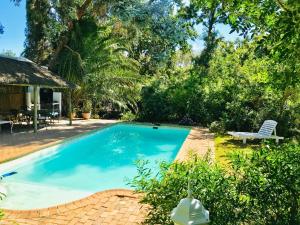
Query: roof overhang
[(22, 72)]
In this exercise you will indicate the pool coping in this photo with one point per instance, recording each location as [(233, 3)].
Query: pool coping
[(61, 208), (182, 154)]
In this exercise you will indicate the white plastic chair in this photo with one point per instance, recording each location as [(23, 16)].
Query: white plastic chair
[(265, 132)]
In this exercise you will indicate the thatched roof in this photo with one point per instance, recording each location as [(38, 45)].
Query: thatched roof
[(23, 72)]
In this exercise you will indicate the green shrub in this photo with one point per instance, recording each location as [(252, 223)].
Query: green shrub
[(238, 89), (217, 127), (262, 188), (128, 116), (95, 116)]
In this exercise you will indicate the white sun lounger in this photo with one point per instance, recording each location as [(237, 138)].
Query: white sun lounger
[(265, 132), (7, 122)]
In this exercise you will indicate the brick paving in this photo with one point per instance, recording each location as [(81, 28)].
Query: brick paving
[(112, 207), (199, 142)]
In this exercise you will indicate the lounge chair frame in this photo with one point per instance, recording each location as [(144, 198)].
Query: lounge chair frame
[(265, 132)]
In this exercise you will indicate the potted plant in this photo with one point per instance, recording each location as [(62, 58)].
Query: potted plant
[(86, 109)]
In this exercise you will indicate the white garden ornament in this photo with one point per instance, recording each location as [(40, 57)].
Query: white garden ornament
[(190, 211)]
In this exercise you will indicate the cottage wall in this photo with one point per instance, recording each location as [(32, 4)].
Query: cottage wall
[(12, 97)]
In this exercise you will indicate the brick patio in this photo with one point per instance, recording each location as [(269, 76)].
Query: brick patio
[(112, 207)]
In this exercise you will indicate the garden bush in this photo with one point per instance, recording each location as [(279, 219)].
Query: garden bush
[(237, 90), (128, 116), (217, 127), (260, 188)]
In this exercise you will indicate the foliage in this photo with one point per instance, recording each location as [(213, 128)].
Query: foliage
[(37, 46), (217, 127), (87, 106), (187, 121), (9, 53), (207, 13), (172, 97), (128, 116), (241, 87), (134, 56), (157, 33), (1, 29), (238, 90), (271, 175), (112, 78), (262, 188), (276, 27), (104, 46), (241, 84)]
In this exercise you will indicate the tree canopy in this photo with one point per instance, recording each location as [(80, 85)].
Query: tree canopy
[(125, 55)]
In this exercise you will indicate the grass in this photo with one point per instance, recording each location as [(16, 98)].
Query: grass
[(224, 145)]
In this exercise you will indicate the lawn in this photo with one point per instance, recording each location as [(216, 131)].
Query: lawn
[(225, 145)]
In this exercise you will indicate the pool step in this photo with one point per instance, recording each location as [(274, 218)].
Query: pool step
[(41, 196)]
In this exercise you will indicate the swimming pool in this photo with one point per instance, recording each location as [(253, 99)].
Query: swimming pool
[(98, 161)]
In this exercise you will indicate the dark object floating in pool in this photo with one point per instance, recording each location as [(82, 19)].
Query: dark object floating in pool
[(155, 128), (7, 175)]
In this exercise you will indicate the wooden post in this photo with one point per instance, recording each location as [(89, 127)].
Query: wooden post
[(35, 108), (70, 106)]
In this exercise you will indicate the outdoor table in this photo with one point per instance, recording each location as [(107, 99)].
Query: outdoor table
[(5, 122)]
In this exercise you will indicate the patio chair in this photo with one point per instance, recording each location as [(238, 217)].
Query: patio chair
[(265, 132), (44, 116)]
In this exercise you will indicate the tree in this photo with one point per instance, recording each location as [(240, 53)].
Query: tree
[(76, 11), (158, 32), (142, 43), (8, 53), (209, 14), (37, 45), (275, 25), (112, 77)]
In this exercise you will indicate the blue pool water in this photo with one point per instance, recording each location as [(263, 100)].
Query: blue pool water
[(98, 161)]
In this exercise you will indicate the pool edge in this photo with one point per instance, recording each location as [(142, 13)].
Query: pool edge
[(73, 204), (181, 156)]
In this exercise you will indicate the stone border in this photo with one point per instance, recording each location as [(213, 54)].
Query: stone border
[(70, 205), (112, 207), (198, 142)]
